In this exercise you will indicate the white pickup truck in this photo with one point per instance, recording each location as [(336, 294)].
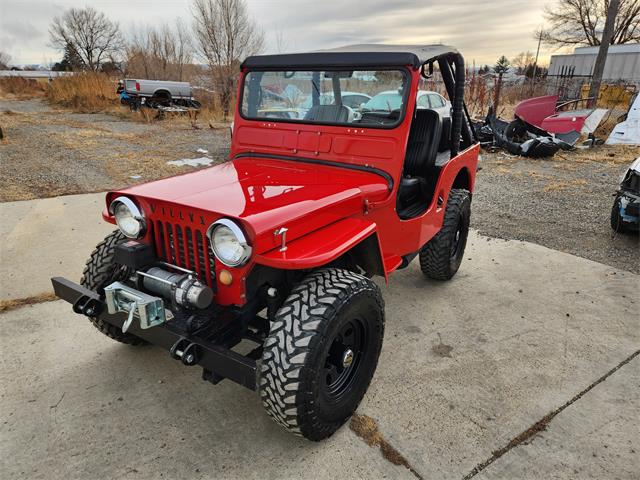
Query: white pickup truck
[(156, 93)]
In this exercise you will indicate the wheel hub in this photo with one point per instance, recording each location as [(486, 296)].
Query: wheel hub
[(347, 358), (343, 359)]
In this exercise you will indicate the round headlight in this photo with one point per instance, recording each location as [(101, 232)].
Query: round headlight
[(229, 243), (128, 217)]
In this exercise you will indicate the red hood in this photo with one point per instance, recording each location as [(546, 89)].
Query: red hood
[(265, 194)]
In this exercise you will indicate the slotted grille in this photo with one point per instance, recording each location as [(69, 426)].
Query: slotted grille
[(185, 247)]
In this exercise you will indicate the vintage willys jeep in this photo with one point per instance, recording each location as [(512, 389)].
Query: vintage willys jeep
[(275, 248)]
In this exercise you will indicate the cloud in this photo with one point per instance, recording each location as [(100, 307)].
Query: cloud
[(480, 30)]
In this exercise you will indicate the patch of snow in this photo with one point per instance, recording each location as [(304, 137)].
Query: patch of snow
[(193, 162), (202, 151)]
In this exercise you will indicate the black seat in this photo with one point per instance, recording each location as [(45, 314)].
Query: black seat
[(328, 114), (419, 163), (445, 138)]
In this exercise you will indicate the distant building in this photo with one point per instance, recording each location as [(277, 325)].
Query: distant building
[(623, 63), (33, 73)]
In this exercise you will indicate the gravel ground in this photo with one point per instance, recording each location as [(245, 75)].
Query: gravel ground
[(48, 152), (562, 203)]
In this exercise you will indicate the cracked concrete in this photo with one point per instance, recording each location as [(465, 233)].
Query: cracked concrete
[(525, 328), (541, 425), (595, 437)]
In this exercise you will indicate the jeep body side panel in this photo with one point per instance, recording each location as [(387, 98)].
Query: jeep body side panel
[(401, 237)]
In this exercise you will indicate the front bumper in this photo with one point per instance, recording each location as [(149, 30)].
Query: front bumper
[(189, 342)]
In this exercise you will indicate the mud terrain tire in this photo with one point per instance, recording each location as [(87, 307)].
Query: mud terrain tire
[(440, 258), (308, 382), (101, 271)]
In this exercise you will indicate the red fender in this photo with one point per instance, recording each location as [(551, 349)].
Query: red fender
[(321, 246)]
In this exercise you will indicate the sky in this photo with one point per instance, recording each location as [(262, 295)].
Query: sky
[(481, 31)]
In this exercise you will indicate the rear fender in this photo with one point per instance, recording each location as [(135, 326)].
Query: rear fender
[(323, 246)]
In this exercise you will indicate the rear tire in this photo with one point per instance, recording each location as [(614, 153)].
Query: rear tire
[(321, 352), (441, 257), (101, 271)]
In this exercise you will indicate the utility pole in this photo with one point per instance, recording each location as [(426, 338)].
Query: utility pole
[(535, 63), (601, 59)]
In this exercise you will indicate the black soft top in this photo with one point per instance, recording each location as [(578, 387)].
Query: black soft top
[(367, 55)]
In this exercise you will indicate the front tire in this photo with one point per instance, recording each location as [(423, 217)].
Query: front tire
[(321, 352), (101, 271), (441, 257)]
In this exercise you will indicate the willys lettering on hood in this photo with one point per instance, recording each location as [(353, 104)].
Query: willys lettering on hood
[(263, 194)]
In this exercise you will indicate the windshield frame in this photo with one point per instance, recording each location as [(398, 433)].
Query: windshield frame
[(404, 71)]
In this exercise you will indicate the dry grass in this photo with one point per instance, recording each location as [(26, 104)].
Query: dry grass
[(559, 186), (605, 154), (7, 305), (21, 88), (367, 429), (85, 92)]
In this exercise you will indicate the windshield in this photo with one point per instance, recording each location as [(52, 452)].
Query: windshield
[(371, 98)]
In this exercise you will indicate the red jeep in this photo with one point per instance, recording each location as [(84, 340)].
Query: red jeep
[(275, 248)]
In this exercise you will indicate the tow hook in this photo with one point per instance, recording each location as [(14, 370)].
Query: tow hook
[(185, 351), (88, 306)]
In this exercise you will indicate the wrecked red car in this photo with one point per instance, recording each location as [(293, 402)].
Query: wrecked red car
[(259, 269), (547, 114)]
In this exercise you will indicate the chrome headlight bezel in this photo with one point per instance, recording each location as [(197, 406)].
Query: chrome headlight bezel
[(240, 237), (136, 213)]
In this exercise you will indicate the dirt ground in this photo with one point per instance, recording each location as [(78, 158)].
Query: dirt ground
[(562, 203), (48, 152)]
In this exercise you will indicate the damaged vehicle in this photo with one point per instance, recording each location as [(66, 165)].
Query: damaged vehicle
[(625, 213), (551, 116), (259, 270), (541, 127), (521, 140)]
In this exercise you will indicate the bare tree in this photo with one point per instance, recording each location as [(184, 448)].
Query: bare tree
[(225, 34), (5, 58), (90, 33), (160, 52), (183, 53), (580, 22), (607, 35), (522, 61)]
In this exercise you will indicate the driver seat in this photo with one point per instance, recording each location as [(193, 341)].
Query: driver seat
[(328, 113), (420, 173)]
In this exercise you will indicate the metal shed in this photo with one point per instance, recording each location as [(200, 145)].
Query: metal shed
[(623, 63)]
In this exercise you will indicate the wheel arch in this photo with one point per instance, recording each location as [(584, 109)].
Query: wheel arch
[(366, 255), (162, 93), (463, 180)]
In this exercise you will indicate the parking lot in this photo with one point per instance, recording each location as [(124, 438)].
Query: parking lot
[(524, 366)]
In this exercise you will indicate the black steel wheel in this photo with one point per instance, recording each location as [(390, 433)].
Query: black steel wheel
[(99, 272), (321, 352), (343, 360), (441, 257)]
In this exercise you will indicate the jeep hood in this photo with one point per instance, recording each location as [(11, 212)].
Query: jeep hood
[(266, 194)]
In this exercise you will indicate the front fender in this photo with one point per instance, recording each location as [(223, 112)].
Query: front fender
[(320, 247)]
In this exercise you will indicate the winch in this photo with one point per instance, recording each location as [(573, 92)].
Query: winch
[(180, 288)]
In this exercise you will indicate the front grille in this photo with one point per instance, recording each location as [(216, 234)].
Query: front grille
[(185, 247)]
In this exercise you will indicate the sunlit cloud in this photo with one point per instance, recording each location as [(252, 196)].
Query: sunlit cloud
[(482, 31)]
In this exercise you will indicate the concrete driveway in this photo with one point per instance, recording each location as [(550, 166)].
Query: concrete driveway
[(524, 366)]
